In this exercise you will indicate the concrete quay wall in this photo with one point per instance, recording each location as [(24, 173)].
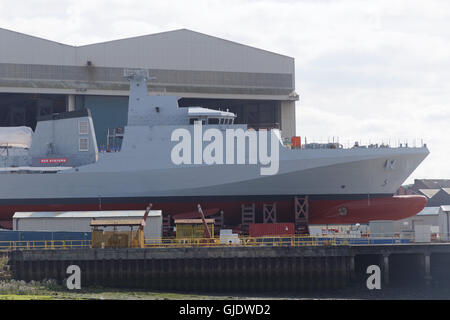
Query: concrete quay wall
[(221, 269)]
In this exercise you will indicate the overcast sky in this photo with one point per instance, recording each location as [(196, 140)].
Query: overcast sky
[(375, 71)]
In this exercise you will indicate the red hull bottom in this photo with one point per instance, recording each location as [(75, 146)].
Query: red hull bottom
[(320, 211)]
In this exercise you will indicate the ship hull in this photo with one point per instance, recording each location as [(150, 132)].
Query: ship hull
[(323, 209), (357, 179), (306, 172)]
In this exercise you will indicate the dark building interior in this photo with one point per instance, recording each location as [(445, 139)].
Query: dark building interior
[(20, 109), (258, 114), (110, 112)]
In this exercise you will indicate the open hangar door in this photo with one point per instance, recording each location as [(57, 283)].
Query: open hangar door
[(23, 109), (258, 114)]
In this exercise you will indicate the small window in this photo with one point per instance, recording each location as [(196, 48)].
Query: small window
[(83, 144), (213, 121), (192, 120), (83, 127)]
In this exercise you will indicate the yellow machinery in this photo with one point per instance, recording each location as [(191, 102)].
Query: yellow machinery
[(117, 239), (193, 228)]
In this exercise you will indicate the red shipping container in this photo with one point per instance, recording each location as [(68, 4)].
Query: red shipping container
[(296, 142), (271, 229)]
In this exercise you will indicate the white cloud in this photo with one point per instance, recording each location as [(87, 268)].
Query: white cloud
[(376, 69)]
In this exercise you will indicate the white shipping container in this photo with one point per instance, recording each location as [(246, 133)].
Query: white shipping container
[(422, 233), (227, 236), (444, 223), (226, 232), (228, 239), (74, 221), (382, 228), (315, 231), (355, 234)]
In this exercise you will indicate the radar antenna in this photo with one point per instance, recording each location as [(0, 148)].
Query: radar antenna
[(137, 73)]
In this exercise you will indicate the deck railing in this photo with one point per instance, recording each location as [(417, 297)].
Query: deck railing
[(336, 143)]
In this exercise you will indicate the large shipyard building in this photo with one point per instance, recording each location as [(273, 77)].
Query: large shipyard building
[(39, 77)]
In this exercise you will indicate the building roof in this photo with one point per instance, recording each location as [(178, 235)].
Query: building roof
[(193, 221), (431, 183), (429, 211), (180, 49), (181, 62), (120, 222), (87, 214), (429, 193), (31, 37)]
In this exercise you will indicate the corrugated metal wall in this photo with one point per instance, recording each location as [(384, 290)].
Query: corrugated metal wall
[(176, 50), (181, 61), (153, 228)]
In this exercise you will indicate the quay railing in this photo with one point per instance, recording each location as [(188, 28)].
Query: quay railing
[(242, 241), (44, 244), (274, 241), (176, 243)]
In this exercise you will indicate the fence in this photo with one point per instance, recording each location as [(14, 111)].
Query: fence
[(271, 241), (293, 241), (44, 244)]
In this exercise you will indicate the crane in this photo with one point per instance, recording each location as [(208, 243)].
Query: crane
[(207, 233), (147, 211)]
